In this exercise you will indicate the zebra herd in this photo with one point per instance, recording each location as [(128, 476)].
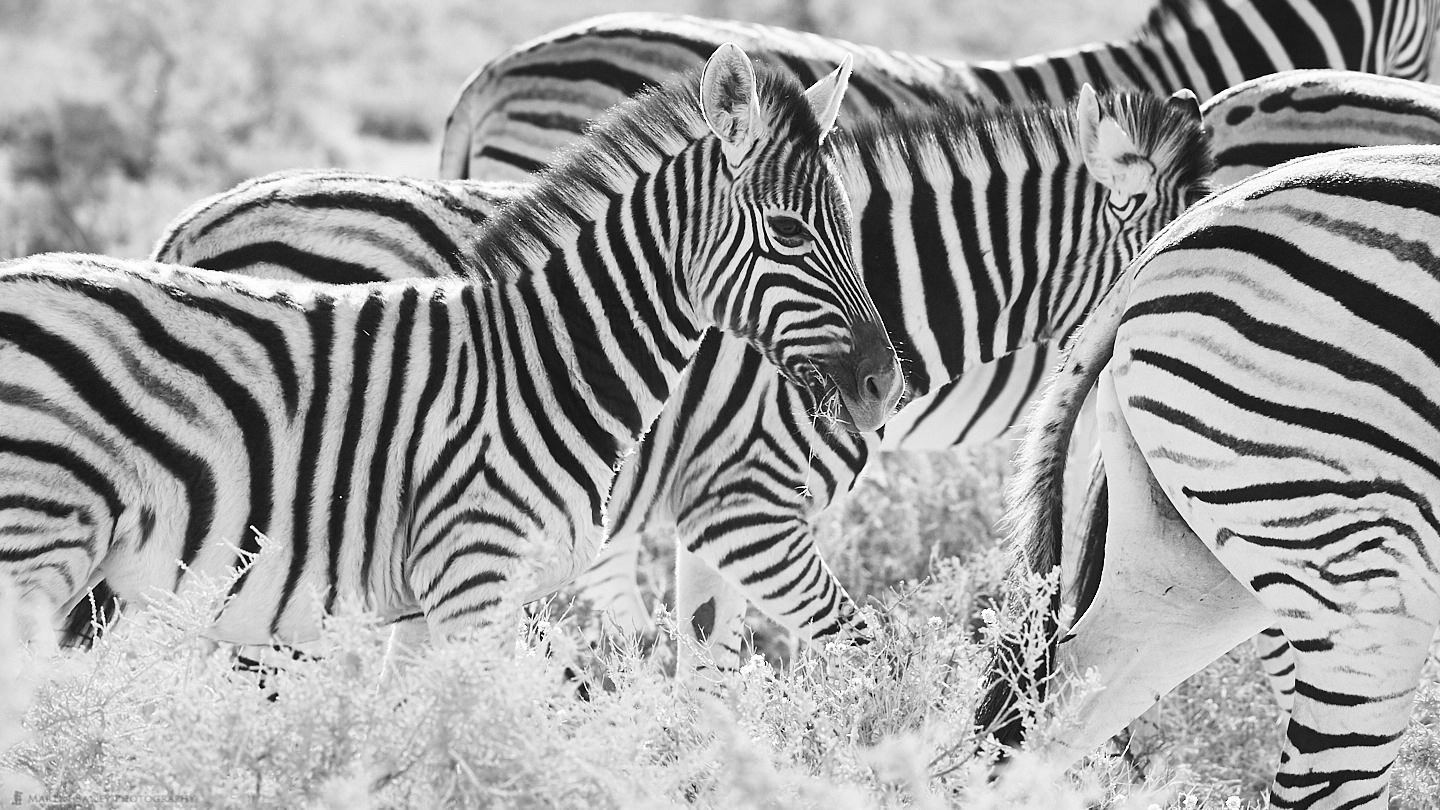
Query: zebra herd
[(442, 398)]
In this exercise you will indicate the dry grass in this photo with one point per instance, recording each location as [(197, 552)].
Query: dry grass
[(156, 711)]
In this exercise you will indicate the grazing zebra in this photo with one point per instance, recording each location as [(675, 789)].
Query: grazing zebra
[(461, 432), (1267, 383), (516, 112)]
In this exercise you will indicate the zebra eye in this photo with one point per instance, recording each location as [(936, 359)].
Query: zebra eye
[(788, 231), (1131, 205)]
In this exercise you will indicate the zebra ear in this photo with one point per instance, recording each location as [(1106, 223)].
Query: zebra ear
[(1110, 153), (729, 102), (825, 96), (1184, 101)]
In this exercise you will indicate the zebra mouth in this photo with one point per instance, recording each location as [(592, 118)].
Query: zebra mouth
[(827, 406)]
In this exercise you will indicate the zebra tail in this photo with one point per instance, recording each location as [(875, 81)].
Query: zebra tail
[(92, 615), (1017, 678)]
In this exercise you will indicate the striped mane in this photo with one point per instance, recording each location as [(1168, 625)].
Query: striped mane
[(631, 139), (1020, 138)]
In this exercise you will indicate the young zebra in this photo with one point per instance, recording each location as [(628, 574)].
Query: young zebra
[(516, 112), (442, 446), (1267, 385), (1254, 125)]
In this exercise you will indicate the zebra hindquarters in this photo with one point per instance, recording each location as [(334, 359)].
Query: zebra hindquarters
[(1164, 609), (1305, 458)]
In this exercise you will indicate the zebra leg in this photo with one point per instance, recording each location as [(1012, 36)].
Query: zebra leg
[(711, 618), (775, 562), (1278, 661), (1165, 607), (1352, 700), (612, 585)]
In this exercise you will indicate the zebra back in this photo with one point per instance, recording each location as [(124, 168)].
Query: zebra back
[(516, 112), (336, 227), (1267, 121)]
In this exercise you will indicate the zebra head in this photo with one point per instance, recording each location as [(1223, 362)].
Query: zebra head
[(1149, 159), (775, 264)]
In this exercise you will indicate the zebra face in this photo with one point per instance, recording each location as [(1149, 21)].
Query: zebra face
[(778, 269), (1148, 163)]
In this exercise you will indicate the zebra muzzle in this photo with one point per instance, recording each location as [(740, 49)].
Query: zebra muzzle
[(868, 381)]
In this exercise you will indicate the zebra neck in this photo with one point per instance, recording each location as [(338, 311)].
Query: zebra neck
[(603, 328)]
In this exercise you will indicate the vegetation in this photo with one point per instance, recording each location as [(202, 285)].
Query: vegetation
[(158, 713), (114, 116)]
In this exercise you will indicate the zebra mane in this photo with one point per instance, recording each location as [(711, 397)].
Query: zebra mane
[(630, 139), (1015, 139)]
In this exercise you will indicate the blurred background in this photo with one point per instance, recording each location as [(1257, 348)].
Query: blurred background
[(116, 115)]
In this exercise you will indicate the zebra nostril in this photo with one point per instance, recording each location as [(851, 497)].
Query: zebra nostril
[(871, 386)]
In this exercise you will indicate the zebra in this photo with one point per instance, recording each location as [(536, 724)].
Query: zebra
[(1266, 387), (463, 430), (536, 96), (334, 219), (515, 112)]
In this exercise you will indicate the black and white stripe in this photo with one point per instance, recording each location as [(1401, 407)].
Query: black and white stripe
[(442, 445), (1267, 379)]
